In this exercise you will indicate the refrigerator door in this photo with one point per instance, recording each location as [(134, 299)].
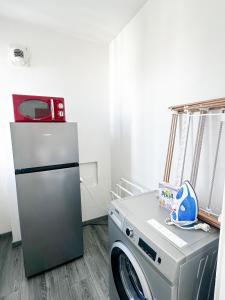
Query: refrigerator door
[(44, 144), (50, 218)]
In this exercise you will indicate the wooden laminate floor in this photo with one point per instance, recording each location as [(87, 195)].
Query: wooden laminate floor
[(84, 278)]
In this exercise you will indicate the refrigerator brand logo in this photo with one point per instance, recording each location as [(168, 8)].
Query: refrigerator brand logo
[(47, 134)]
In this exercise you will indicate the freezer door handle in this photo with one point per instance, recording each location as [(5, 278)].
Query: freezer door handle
[(46, 168)]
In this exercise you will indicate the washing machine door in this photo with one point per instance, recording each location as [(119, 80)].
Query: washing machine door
[(129, 278)]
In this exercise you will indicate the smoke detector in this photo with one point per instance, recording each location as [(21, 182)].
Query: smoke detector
[(19, 55)]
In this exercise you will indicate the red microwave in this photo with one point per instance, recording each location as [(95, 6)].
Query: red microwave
[(38, 109)]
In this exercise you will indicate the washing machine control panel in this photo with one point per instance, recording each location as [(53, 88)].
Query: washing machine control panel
[(147, 249), (134, 235)]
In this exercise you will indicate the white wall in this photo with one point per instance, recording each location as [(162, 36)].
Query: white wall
[(220, 274), (171, 52), (60, 66)]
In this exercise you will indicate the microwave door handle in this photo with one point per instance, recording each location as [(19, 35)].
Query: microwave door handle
[(52, 109)]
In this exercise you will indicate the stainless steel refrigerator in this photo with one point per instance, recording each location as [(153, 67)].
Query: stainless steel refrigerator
[(46, 165)]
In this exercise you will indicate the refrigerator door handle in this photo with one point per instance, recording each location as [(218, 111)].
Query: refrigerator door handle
[(52, 109), (46, 168)]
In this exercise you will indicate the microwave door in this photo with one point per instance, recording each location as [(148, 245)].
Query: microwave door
[(44, 144), (33, 109)]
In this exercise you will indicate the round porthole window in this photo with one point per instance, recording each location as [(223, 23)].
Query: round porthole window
[(128, 276)]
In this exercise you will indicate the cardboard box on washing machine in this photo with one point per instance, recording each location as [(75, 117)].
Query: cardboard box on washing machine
[(167, 193)]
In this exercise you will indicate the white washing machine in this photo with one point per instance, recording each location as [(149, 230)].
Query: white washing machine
[(151, 260)]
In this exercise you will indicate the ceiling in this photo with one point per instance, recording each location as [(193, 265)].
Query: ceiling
[(99, 20)]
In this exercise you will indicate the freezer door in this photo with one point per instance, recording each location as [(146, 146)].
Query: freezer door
[(50, 218), (44, 144)]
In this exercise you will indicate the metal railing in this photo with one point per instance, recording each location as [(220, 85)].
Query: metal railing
[(126, 188)]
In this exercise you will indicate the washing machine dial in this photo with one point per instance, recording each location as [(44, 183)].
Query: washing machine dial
[(129, 232)]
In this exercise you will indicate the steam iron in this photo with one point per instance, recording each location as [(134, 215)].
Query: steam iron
[(185, 209), (185, 206)]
